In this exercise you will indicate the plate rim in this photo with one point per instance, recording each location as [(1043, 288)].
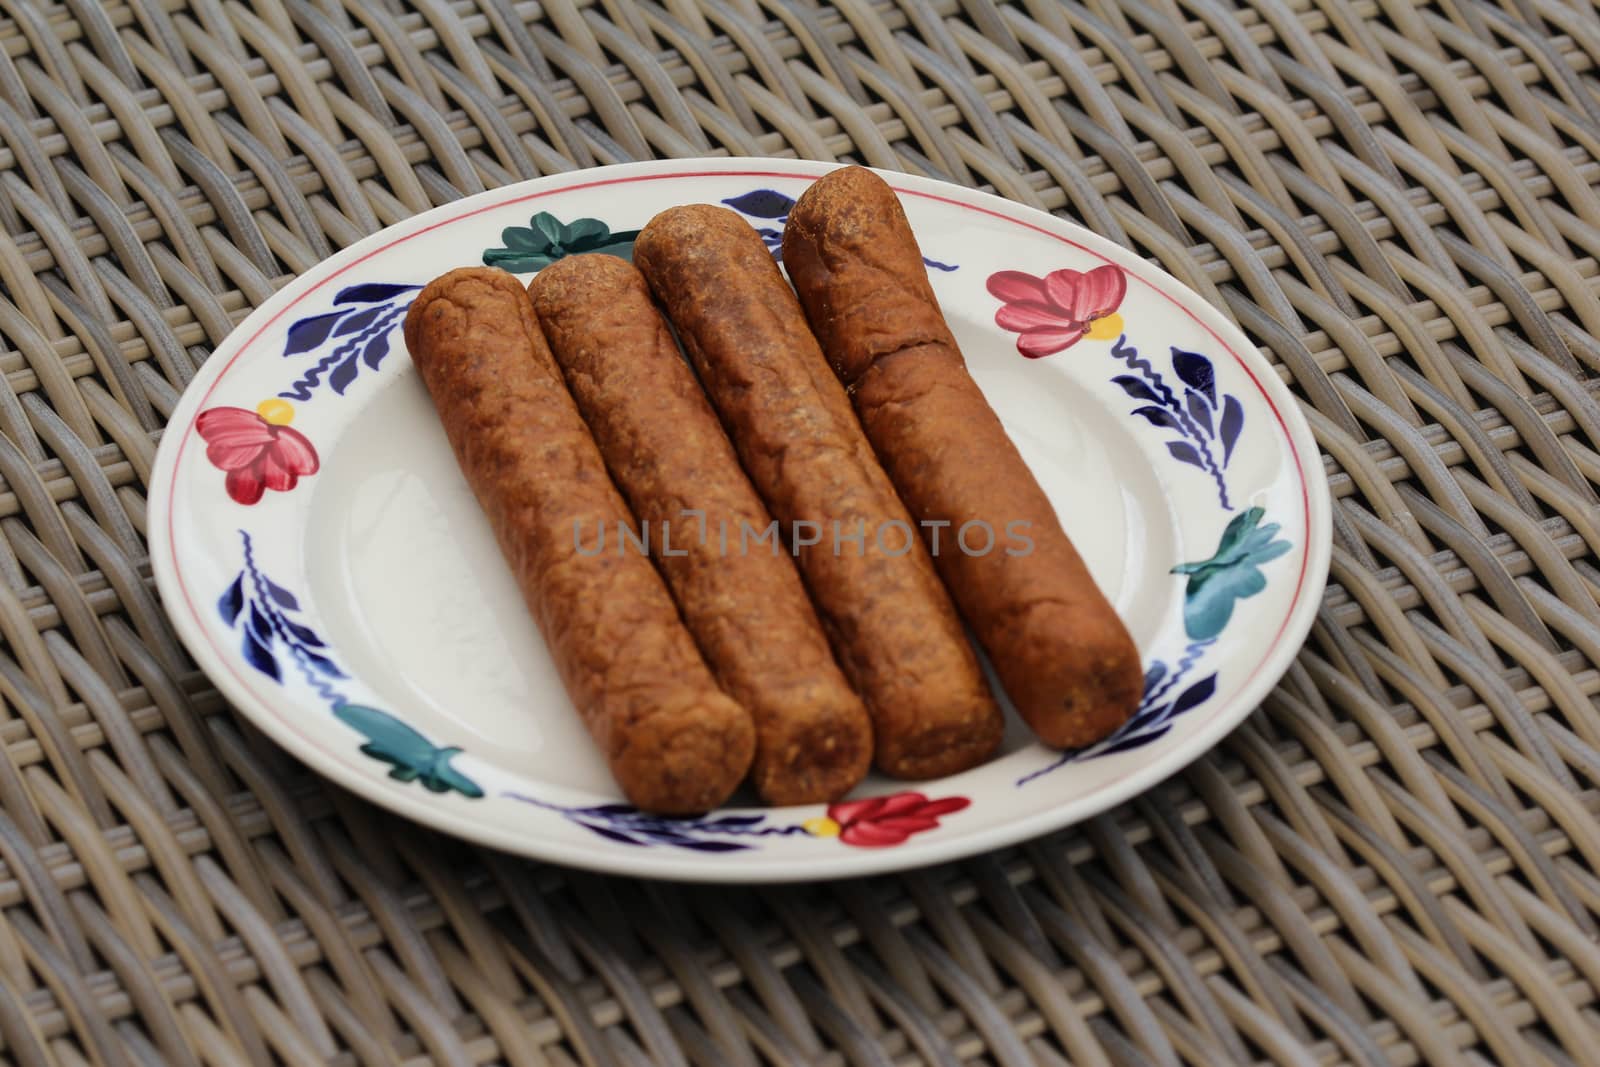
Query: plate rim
[(453, 815)]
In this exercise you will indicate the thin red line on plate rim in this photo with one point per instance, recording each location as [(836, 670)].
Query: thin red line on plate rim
[(183, 441)]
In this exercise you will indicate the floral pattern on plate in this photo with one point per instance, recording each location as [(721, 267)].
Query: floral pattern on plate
[(1052, 313), (271, 628), (872, 822), (1200, 413), (257, 449)]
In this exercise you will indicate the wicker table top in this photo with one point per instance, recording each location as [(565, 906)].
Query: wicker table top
[(1395, 860)]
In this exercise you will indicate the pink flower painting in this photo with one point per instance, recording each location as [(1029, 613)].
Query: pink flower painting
[(1053, 313), (257, 450)]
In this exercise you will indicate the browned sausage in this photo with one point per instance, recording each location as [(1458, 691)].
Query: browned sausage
[(892, 624), (675, 743), (1060, 650), (668, 454)]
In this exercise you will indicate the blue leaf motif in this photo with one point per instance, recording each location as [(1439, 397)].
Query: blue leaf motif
[(232, 601), (627, 824), (304, 634), (301, 387), (1193, 408), (344, 374), (1145, 718), (1136, 388), (363, 318), (371, 292), (1184, 452), (1133, 741), (259, 625), (1199, 410), (273, 640), (1228, 429), (610, 810), (762, 204), (322, 663), (1156, 712), (1196, 372), (260, 657), (1195, 695), (376, 349), (774, 242), (1159, 416), (1153, 676), (310, 332), (358, 321), (614, 835), (281, 595)]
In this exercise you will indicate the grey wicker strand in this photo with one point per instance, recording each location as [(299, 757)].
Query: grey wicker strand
[(1395, 860)]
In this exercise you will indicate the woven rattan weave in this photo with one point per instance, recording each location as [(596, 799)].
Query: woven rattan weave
[(1395, 861)]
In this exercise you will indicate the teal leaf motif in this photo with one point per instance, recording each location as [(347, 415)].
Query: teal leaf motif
[(585, 232), (548, 226), (411, 756), (546, 239), (1231, 575)]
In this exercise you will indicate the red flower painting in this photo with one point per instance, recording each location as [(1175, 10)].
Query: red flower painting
[(258, 451), (1054, 312), (880, 822)]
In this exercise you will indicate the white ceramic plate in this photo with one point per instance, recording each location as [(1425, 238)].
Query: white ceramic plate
[(324, 560)]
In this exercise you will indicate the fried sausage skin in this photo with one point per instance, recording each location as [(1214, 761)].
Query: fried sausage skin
[(1057, 645), (669, 455), (675, 743), (891, 623)]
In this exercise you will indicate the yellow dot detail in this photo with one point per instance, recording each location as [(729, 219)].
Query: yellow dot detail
[(276, 411), (821, 826), (1107, 328)]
